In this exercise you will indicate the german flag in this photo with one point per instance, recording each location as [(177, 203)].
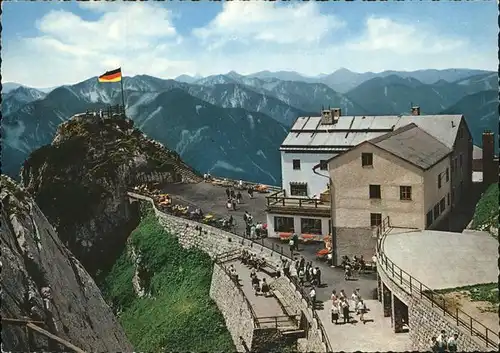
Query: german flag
[(111, 76)]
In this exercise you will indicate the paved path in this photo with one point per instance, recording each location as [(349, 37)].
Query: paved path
[(262, 306), (375, 335)]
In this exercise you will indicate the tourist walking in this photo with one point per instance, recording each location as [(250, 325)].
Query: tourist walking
[(250, 192), (238, 197), (228, 193), (361, 309), (231, 192)]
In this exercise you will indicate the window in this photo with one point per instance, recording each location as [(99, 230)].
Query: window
[(436, 211), (439, 181), (442, 205), (461, 160), (296, 164), (323, 165), (283, 224), (405, 193), (310, 225), (375, 219), (449, 199), (298, 189), (375, 192), (447, 174), (366, 159), (429, 219)]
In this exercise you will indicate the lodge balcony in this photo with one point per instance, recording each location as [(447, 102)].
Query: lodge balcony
[(279, 203)]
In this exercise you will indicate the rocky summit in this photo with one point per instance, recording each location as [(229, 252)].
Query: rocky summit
[(43, 281), (80, 181)]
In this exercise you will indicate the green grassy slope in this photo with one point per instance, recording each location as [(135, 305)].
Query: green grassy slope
[(487, 210), (180, 316)]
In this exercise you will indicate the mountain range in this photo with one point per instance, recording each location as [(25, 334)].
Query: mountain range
[(232, 125)]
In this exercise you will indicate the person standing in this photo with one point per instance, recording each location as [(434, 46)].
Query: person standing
[(452, 343), (312, 296), (345, 310), (250, 191), (295, 238), (228, 193), (291, 244), (252, 232), (231, 192), (238, 197), (318, 276), (335, 313), (301, 276), (441, 340), (234, 204), (286, 268)]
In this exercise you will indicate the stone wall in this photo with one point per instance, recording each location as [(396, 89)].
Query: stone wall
[(424, 320), (233, 306), (297, 305), (214, 241), (355, 241)]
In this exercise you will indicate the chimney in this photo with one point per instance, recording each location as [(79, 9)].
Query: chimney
[(490, 167), (326, 117), (336, 113), (415, 110)]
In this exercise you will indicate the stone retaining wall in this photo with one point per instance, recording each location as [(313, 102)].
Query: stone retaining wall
[(298, 305), (234, 308), (424, 320), (214, 241)]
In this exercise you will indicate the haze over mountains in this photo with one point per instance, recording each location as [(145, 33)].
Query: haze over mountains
[(231, 124)]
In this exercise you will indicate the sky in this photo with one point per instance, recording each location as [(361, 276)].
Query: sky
[(47, 44)]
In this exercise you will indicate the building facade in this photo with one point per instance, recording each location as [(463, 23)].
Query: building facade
[(323, 138)]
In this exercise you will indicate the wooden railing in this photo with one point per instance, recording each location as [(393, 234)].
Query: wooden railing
[(34, 326), (279, 198), (278, 322), (417, 289)]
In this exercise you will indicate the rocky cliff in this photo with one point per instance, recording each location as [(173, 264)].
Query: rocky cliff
[(43, 281), (80, 182)]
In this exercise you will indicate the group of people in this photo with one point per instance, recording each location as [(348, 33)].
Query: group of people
[(341, 306), (253, 230), (251, 260), (442, 343), (356, 264)]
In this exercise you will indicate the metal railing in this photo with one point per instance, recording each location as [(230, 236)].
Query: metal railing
[(416, 288), (34, 326), (279, 198), (382, 228), (107, 112)]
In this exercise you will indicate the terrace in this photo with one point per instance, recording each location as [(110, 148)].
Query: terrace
[(279, 203)]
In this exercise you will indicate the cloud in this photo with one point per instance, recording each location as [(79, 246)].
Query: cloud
[(244, 36), (402, 38), (256, 21)]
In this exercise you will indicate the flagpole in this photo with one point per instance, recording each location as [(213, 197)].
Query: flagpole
[(123, 97)]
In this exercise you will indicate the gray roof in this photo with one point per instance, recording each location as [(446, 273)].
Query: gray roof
[(350, 131), (414, 145)]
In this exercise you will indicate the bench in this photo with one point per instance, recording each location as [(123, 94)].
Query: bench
[(269, 270)]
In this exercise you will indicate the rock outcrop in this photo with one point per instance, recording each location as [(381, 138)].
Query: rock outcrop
[(80, 182), (43, 281)]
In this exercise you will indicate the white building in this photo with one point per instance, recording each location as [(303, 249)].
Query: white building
[(312, 141)]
